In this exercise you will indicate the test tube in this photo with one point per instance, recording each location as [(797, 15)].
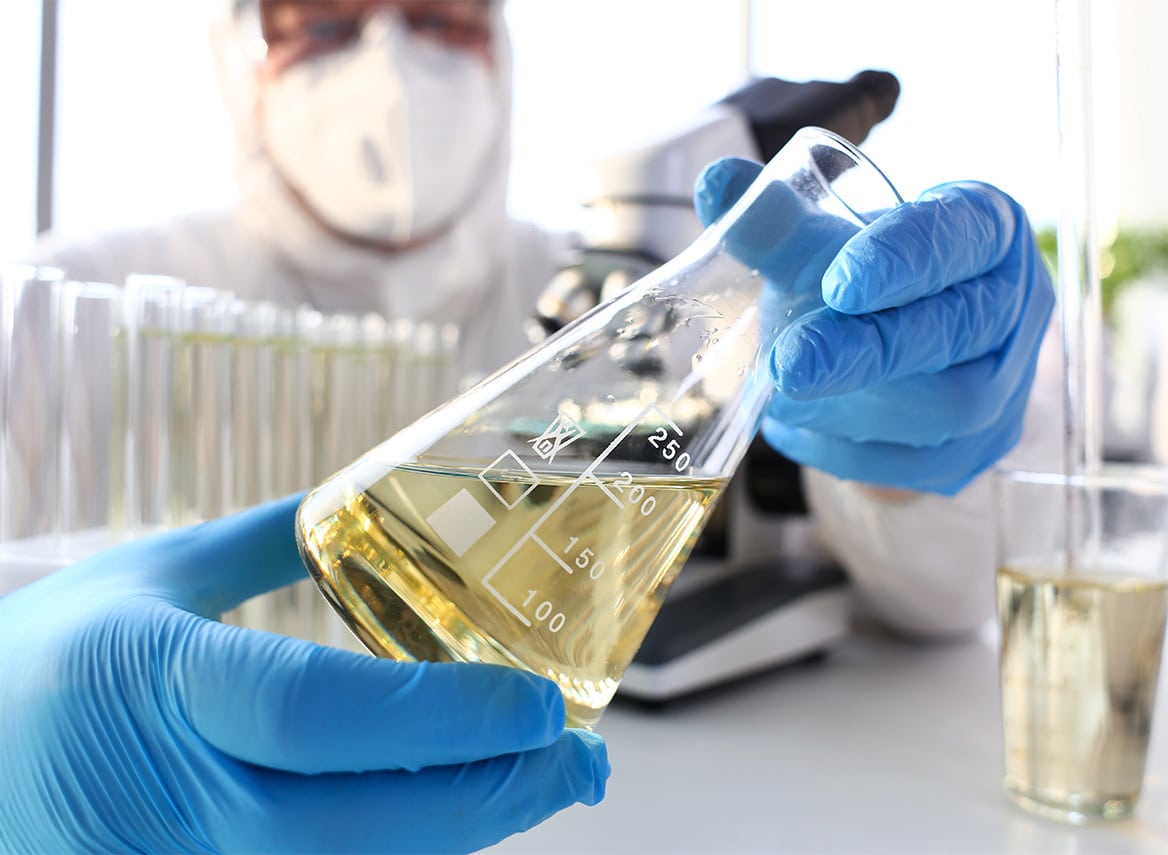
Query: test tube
[(450, 350), (7, 323), (151, 304), (424, 365), (93, 408), (286, 434), (252, 407), (335, 394), (291, 435), (200, 416), (384, 404), (7, 316), (435, 366), (254, 394), (30, 342), (373, 375), (403, 391), (295, 606), (338, 402)]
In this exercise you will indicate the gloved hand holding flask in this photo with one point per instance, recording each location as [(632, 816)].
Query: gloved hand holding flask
[(909, 363), (131, 720)]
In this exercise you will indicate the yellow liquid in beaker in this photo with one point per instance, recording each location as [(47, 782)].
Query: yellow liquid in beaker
[(1079, 666), (557, 574)]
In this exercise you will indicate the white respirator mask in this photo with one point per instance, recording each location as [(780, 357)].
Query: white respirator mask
[(388, 139)]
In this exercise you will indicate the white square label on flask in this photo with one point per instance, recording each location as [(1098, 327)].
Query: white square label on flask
[(461, 522)]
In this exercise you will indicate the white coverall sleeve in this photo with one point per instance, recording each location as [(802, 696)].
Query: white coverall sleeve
[(924, 566)]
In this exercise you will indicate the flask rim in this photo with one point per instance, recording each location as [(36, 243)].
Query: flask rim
[(807, 137)]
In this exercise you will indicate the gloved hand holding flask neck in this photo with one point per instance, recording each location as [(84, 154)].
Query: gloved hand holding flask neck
[(538, 519), (912, 362), (131, 720)]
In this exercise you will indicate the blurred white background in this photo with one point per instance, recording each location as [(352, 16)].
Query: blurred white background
[(141, 131)]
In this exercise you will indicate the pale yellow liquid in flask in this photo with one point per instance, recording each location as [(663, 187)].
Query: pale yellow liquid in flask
[(558, 574), (1080, 664)]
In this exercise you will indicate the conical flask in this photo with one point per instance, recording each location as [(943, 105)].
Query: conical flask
[(538, 519)]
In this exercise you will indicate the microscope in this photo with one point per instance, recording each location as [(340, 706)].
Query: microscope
[(758, 591)]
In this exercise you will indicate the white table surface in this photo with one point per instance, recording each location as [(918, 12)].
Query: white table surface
[(879, 748)]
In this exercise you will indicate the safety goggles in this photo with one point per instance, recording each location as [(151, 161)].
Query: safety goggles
[(296, 30)]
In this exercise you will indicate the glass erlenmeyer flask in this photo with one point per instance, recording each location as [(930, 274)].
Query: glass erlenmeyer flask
[(538, 519)]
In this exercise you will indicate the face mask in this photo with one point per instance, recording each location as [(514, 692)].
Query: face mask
[(386, 140)]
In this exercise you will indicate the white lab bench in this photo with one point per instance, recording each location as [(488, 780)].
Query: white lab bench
[(881, 747)]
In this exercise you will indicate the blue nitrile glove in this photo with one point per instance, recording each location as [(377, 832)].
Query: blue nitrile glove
[(130, 722), (916, 372)]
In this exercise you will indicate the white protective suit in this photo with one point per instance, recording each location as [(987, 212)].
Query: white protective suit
[(923, 566)]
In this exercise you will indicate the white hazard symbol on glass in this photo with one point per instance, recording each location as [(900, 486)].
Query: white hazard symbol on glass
[(561, 432)]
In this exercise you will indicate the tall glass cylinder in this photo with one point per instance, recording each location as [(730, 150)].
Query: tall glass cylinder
[(200, 427), (93, 408), (371, 374), (292, 394), (449, 349), (253, 392), (403, 386), (335, 393), (434, 361), (151, 306), (30, 346), (252, 405), (298, 608)]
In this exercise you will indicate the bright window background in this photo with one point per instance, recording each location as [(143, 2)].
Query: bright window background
[(596, 75), (142, 132), (20, 33), (978, 96)]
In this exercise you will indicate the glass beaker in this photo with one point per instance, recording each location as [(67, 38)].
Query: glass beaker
[(538, 519), (1082, 590)]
